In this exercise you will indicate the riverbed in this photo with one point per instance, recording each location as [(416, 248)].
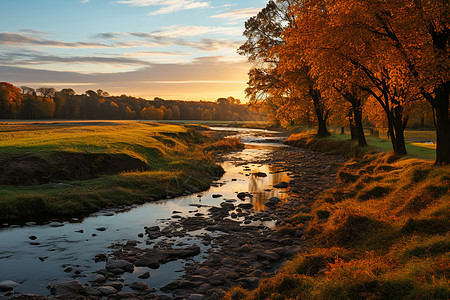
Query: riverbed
[(38, 255)]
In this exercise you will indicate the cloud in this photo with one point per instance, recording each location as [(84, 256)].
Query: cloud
[(210, 44), (238, 14), (176, 31), (167, 6), (84, 1), (15, 39), (7, 38), (35, 33), (194, 81)]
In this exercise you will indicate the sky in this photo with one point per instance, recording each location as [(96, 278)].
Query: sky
[(172, 49)]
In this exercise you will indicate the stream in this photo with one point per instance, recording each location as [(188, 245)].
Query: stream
[(38, 255)]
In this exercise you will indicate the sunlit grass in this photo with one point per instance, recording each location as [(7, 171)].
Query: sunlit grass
[(174, 154), (381, 233)]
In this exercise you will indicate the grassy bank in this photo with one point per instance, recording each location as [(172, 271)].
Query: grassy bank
[(382, 233), (341, 144), (165, 160)]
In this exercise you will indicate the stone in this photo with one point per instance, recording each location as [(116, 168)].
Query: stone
[(107, 290), (68, 288), (217, 279), (281, 185), (260, 174), (245, 205), (117, 285), (56, 224), (117, 271), (7, 285), (97, 278), (227, 205), (152, 228), (90, 291), (241, 195), (232, 275), (203, 272), (112, 264), (196, 297), (101, 229), (216, 195), (249, 282), (144, 276), (274, 200), (204, 288), (137, 285)]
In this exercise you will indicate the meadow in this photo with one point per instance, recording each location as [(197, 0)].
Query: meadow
[(78, 167)]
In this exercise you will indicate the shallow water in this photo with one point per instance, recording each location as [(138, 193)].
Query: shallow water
[(63, 251)]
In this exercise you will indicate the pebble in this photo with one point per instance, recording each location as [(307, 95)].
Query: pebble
[(7, 285)]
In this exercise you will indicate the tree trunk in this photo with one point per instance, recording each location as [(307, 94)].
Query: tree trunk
[(321, 115), (353, 133), (400, 147), (322, 131), (443, 125), (359, 126), (342, 130)]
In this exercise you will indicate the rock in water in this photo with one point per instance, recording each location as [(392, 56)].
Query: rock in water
[(119, 264), (68, 288), (137, 285), (241, 195), (260, 174), (7, 285), (281, 185)]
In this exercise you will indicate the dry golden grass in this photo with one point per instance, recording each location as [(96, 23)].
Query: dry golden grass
[(381, 233)]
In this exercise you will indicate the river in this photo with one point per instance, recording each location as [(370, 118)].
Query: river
[(36, 255)]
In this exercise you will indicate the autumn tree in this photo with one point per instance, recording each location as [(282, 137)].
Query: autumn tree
[(10, 101), (46, 92), (402, 47)]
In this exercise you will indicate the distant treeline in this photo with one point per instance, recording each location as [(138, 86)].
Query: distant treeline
[(48, 103)]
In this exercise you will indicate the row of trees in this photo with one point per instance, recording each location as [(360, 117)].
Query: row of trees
[(47, 103), (349, 59)]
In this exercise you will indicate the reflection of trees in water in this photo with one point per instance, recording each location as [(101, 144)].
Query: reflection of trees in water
[(258, 185)]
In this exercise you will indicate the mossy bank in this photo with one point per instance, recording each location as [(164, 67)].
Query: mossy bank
[(63, 169)]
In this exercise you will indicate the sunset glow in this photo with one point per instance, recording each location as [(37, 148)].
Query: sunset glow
[(145, 48)]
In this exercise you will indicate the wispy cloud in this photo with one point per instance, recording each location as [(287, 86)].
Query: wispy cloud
[(210, 45), (167, 6), (176, 31), (15, 39), (238, 14), (7, 38), (84, 1)]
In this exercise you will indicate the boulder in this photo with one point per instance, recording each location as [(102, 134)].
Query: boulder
[(112, 264)]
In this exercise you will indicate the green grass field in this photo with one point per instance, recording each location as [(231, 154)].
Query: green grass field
[(173, 154)]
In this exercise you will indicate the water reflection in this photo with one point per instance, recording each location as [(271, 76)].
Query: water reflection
[(75, 244)]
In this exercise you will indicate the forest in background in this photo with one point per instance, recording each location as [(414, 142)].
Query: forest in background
[(48, 103)]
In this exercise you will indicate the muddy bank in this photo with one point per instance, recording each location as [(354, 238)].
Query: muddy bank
[(34, 170)]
